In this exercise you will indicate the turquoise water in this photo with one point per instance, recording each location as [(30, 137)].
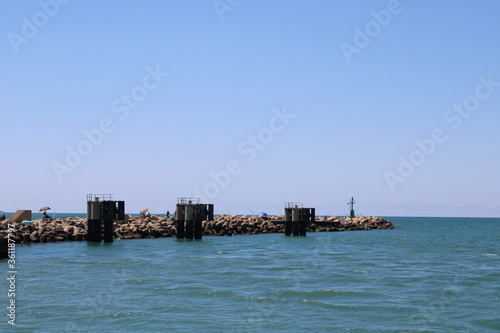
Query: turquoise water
[(428, 275)]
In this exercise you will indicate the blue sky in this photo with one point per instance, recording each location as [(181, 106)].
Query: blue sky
[(251, 104)]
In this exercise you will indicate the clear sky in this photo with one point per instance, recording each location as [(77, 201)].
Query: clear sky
[(251, 104)]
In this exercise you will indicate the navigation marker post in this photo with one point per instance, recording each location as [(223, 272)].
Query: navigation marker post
[(351, 203)]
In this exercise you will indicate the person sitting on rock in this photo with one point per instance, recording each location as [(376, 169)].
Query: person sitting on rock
[(46, 216)]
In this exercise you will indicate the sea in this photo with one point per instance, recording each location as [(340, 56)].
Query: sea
[(427, 275)]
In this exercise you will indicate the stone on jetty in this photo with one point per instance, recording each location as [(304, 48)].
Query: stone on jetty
[(44, 232), (135, 227)]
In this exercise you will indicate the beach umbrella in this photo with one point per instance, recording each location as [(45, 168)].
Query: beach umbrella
[(27, 222), (263, 213), (144, 211), (44, 209)]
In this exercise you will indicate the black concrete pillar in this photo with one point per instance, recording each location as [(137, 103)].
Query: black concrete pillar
[(210, 212), (304, 221), (4, 248), (121, 210), (201, 213), (296, 221), (288, 222), (95, 230), (180, 216), (89, 209), (180, 229), (109, 216), (190, 216), (189, 234), (94, 222)]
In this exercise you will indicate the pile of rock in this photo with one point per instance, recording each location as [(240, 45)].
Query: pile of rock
[(228, 225), (45, 232), (149, 227), (75, 229), (336, 223)]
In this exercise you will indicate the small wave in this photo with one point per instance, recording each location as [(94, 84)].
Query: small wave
[(120, 314), (256, 298), (332, 306), (326, 294), (362, 272), (490, 254), (219, 293)]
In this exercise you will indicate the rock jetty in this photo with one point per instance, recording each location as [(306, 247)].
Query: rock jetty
[(135, 227)]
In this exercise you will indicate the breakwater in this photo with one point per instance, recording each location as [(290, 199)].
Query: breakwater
[(136, 227)]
